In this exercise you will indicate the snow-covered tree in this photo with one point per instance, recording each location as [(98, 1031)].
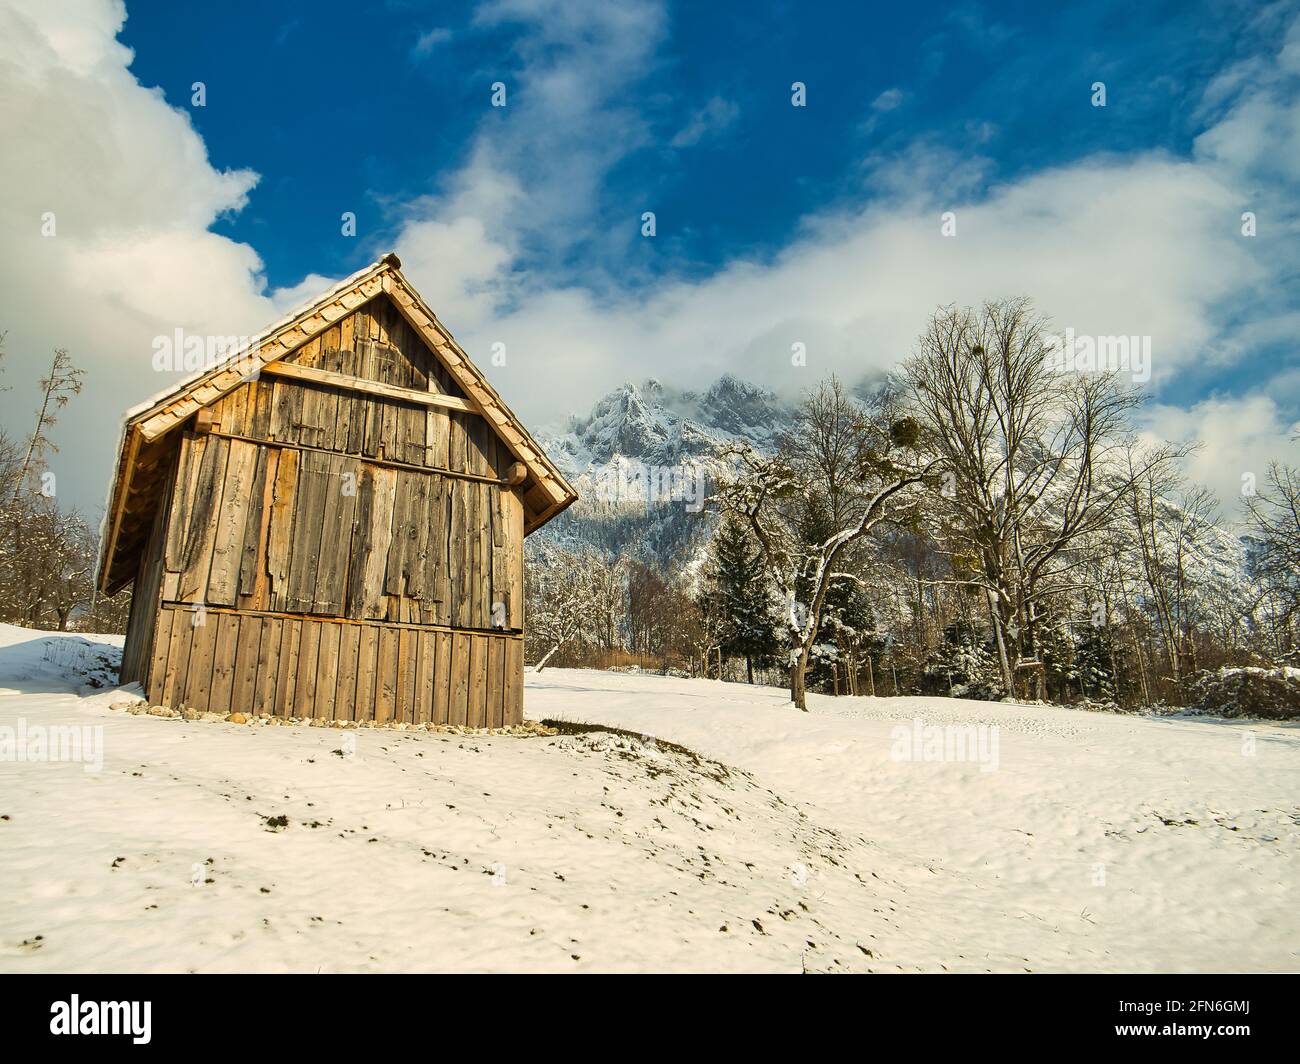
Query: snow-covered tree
[(864, 469), (572, 596), (966, 663), (737, 591), (1273, 517)]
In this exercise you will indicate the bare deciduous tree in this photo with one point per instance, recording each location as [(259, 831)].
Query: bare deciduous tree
[(857, 469), (63, 382), (1034, 459), (1273, 517)]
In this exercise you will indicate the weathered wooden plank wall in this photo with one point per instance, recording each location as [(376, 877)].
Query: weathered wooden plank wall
[(373, 343), (224, 660), (304, 532), (340, 554)]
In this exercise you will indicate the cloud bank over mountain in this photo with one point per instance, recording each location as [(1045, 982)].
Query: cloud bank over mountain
[(1139, 243)]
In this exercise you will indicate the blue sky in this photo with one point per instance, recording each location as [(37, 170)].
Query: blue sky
[(338, 106), (776, 225)]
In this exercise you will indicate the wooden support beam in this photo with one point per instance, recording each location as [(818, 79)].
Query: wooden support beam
[(382, 463), (357, 384), (515, 475)]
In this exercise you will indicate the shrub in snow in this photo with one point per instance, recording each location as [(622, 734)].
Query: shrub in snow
[(1250, 692), (965, 664)]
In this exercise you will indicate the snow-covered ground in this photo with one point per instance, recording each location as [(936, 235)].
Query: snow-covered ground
[(1073, 841)]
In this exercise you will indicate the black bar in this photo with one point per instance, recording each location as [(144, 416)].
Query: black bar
[(975, 1013)]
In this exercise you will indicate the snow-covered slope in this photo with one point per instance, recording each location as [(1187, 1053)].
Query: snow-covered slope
[(793, 842)]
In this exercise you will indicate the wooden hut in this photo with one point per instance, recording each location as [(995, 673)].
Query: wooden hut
[(330, 522)]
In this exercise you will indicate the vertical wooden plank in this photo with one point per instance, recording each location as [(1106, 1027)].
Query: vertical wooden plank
[(329, 418), (478, 654), (456, 560), (513, 531), (314, 491), (332, 401), (223, 661), (406, 666), (404, 443), (228, 545), (441, 677), (424, 677), (178, 657), (372, 438), (286, 410), (198, 678), (357, 417), (268, 663), (456, 441), (345, 697), (327, 669), (439, 552), (304, 694), (260, 422), (459, 709), (280, 536), (244, 693), (496, 682), (498, 588), (367, 665), (403, 532), (476, 434), (235, 418), (347, 344), (386, 676), (370, 556), (310, 428), (202, 528), (418, 519), (254, 534), (155, 680), (483, 556), (287, 680), (189, 461), (514, 680), (437, 434), (336, 534)]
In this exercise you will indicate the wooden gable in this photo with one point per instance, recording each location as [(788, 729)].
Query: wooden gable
[(366, 370)]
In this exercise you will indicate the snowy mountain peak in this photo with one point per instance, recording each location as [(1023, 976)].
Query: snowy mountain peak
[(741, 407), (656, 425)]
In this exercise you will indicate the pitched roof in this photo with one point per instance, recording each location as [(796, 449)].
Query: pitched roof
[(145, 446)]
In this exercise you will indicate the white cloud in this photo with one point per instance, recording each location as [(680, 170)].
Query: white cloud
[(716, 116), (1145, 244), (428, 41), (132, 194), (887, 100), (1239, 438)]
